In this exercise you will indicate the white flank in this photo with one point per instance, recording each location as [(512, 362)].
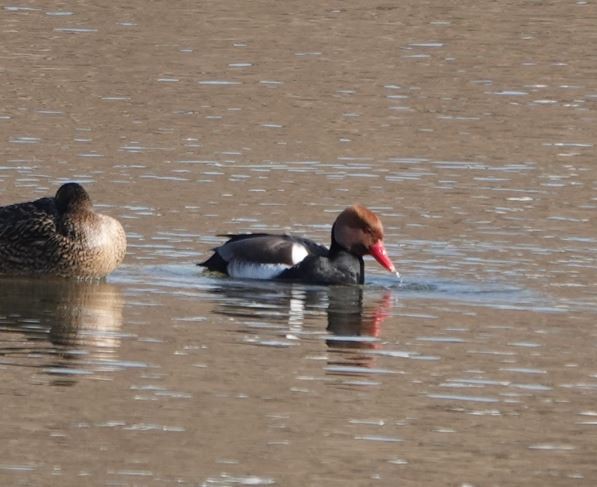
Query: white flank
[(299, 252), (249, 270)]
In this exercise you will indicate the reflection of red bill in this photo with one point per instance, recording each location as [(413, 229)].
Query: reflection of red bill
[(381, 313), (378, 251)]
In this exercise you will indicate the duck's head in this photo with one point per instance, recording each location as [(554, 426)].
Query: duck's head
[(72, 197), (359, 231)]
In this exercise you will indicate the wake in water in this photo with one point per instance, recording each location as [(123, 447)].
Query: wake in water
[(186, 279)]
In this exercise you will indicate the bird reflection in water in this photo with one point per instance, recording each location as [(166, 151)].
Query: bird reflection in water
[(62, 326), (265, 305), (354, 326), (353, 321)]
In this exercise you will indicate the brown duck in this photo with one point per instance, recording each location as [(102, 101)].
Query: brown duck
[(60, 236)]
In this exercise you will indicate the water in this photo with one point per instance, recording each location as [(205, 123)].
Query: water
[(469, 130)]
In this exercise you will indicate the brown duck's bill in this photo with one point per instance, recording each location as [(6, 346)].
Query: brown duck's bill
[(378, 251)]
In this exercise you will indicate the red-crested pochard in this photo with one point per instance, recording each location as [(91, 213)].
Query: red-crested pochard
[(356, 232)]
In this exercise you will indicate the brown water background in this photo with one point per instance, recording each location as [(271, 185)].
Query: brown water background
[(468, 126)]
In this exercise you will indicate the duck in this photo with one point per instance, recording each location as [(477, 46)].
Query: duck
[(59, 236), (356, 232)]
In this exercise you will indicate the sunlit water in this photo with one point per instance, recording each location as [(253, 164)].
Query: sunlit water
[(468, 129)]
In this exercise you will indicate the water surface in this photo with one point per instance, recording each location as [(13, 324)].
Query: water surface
[(468, 128)]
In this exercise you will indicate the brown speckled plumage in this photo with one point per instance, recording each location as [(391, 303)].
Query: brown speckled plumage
[(59, 236)]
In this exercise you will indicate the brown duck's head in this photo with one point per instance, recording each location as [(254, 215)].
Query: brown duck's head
[(72, 197), (359, 230)]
